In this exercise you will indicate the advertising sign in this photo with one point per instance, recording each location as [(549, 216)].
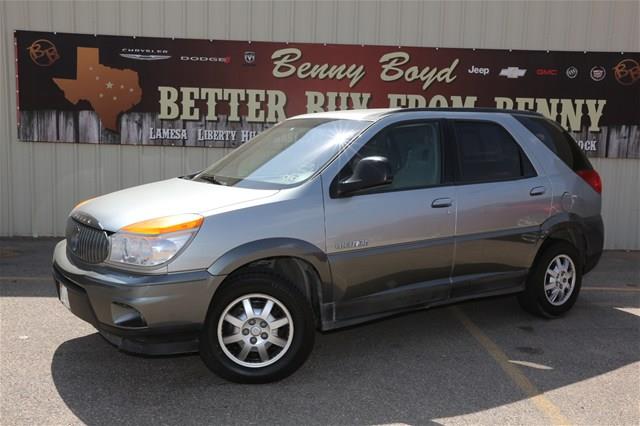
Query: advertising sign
[(183, 92)]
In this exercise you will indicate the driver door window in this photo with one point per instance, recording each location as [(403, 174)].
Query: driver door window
[(414, 152)]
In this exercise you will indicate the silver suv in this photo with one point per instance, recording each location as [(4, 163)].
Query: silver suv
[(329, 220)]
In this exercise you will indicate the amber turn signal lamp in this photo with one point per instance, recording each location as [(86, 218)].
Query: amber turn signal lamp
[(166, 224)]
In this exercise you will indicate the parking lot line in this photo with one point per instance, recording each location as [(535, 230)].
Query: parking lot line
[(18, 278), (543, 403), (628, 289)]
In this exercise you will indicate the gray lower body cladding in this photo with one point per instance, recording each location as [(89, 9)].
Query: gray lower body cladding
[(594, 241), (368, 284), (150, 314), (158, 340)]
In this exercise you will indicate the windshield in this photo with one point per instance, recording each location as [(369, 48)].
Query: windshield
[(284, 155)]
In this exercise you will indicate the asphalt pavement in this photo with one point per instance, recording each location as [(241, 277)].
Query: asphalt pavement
[(480, 362)]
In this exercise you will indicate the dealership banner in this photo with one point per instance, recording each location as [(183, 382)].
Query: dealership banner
[(79, 88)]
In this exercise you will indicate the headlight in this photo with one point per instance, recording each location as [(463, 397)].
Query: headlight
[(153, 242)]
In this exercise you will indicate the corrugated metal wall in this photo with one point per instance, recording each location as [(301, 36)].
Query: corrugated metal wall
[(40, 182)]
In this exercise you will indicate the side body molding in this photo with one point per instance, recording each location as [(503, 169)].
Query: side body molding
[(282, 247)]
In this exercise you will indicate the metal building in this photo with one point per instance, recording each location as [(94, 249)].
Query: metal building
[(41, 182)]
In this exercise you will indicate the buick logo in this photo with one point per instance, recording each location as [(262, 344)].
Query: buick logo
[(43, 53), (572, 72), (249, 57), (74, 239)]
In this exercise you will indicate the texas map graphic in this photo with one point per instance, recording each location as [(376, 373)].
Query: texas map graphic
[(110, 91)]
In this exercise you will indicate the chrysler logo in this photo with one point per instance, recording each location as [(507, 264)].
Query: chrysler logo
[(142, 54), (144, 57)]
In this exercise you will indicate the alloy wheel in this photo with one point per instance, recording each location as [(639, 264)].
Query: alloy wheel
[(559, 280), (255, 330)]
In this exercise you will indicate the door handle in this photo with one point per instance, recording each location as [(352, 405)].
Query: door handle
[(537, 190), (439, 203)]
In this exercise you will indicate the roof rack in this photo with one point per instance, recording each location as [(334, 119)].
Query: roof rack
[(495, 110)]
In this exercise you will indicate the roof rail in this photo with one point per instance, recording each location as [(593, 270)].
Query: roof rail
[(495, 110)]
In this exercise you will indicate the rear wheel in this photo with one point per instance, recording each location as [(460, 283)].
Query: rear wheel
[(554, 281), (259, 329)]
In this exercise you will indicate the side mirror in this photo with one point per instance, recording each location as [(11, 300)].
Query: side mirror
[(368, 173)]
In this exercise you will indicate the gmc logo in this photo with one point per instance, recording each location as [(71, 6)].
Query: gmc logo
[(546, 71)]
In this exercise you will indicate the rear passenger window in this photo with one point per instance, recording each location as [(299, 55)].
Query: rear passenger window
[(487, 152), (557, 140)]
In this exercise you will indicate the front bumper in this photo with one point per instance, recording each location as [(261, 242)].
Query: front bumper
[(140, 313)]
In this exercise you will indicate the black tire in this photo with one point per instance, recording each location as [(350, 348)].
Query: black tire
[(534, 298), (277, 287)]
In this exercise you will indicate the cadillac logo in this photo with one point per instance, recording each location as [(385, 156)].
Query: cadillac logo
[(598, 73), (249, 57), (43, 53)]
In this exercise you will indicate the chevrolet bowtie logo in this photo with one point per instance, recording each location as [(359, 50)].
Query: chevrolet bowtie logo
[(512, 72)]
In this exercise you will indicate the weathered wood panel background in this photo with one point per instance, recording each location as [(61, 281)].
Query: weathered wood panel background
[(85, 127)]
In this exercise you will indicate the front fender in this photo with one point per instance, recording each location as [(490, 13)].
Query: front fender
[(276, 247)]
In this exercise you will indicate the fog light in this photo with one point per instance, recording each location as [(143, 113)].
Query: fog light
[(126, 316)]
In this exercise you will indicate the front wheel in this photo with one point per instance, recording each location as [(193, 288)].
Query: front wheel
[(259, 329), (554, 281)]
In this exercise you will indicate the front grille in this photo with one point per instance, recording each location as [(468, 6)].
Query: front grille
[(88, 244)]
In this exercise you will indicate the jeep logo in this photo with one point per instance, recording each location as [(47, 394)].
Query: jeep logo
[(476, 70)]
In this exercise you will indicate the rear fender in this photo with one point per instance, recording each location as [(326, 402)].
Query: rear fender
[(571, 228)]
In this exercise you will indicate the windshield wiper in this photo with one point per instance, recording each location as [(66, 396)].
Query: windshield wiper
[(211, 179)]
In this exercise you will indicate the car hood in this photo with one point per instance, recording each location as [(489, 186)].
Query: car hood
[(165, 198)]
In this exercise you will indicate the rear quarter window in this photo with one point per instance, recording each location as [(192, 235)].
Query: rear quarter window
[(557, 140)]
